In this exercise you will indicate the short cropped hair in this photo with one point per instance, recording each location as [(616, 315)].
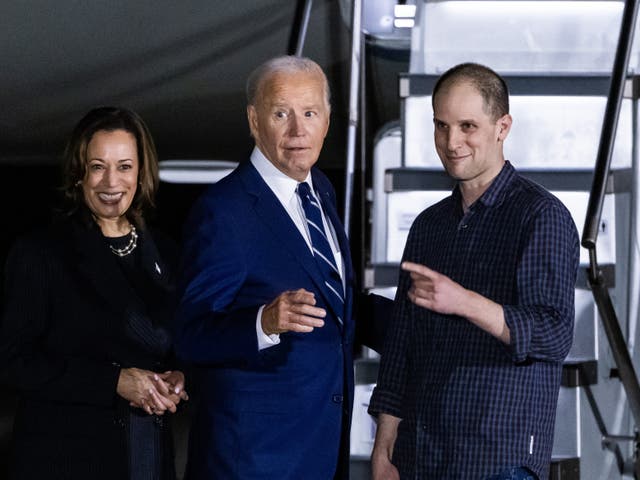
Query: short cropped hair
[(75, 160), (489, 84), (284, 64)]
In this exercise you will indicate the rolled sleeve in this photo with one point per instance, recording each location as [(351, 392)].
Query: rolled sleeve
[(541, 325)]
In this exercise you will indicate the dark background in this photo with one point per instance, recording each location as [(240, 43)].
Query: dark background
[(182, 66)]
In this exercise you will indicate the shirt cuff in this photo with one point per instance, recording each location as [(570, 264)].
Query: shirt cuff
[(520, 324), (264, 340), (385, 401)]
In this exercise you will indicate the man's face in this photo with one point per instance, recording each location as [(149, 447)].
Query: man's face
[(290, 120), (467, 139)]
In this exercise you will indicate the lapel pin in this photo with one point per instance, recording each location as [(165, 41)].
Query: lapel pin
[(158, 269)]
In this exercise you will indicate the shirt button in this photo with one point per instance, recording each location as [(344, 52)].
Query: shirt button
[(337, 399), (465, 225), (425, 427)]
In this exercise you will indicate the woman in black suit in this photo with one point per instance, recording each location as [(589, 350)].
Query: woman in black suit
[(84, 335)]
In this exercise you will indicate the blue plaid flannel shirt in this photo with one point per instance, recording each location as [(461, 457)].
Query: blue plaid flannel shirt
[(470, 405)]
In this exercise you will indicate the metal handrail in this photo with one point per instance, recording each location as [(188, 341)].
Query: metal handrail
[(299, 28), (599, 288), (354, 83)]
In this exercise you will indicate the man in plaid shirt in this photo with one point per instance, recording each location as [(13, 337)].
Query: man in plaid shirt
[(470, 372)]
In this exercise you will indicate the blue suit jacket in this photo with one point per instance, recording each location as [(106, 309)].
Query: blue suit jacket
[(282, 412)]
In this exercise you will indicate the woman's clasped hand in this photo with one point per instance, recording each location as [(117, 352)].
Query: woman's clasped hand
[(155, 393)]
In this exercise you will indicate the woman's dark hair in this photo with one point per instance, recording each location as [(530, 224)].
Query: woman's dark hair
[(75, 158)]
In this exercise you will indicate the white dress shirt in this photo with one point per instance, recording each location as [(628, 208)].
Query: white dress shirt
[(284, 188)]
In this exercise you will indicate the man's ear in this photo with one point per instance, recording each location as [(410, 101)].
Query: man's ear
[(252, 118), (504, 126), (326, 129)]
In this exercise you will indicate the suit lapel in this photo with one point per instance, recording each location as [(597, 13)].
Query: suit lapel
[(95, 264), (157, 269), (272, 213)]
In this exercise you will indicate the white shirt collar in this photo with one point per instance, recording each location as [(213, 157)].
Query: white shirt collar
[(283, 186)]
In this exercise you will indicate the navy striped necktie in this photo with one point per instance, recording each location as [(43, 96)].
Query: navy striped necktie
[(322, 249)]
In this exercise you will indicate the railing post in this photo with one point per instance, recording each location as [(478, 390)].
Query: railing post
[(599, 288)]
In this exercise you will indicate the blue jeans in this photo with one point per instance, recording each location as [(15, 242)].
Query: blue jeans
[(513, 473)]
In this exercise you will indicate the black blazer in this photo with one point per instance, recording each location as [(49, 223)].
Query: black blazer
[(71, 320)]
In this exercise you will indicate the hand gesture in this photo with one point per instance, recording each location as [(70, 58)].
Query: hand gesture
[(437, 292), (292, 311), (434, 291)]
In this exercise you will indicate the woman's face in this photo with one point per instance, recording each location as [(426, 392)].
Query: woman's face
[(111, 179)]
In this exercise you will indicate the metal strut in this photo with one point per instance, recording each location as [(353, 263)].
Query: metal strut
[(597, 281)]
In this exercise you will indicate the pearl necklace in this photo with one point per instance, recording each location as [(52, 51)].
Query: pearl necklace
[(129, 247)]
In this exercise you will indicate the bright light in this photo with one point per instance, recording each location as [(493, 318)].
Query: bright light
[(194, 171), (404, 11), (404, 22)]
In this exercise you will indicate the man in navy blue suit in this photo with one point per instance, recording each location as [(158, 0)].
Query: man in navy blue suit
[(266, 310)]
